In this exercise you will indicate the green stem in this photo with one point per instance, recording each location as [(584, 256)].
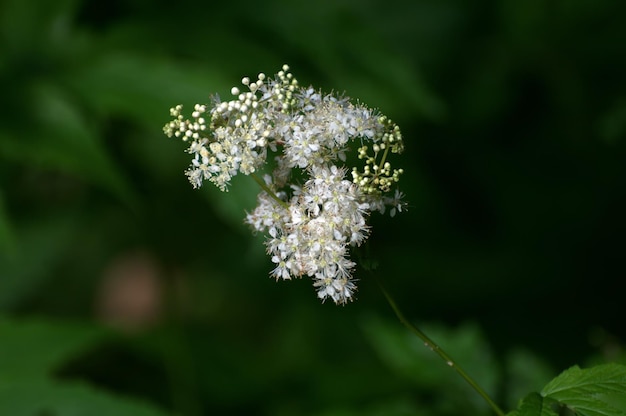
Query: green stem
[(269, 191), (441, 353), (383, 159)]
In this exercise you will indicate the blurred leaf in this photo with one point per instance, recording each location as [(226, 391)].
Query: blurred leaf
[(59, 137), (144, 88), (47, 397), (526, 372), (24, 24), (398, 81), (358, 60), (398, 407), (406, 355), (33, 348), (39, 247)]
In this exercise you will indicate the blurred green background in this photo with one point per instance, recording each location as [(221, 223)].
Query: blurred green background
[(123, 291)]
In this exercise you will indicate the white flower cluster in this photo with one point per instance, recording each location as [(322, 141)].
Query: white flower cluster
[(311, 212)]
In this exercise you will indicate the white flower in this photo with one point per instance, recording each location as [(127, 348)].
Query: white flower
[(312, 215), (340, 289)]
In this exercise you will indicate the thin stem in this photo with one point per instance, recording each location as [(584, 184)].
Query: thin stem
[(269, 191), (441, 353), (384, 158)]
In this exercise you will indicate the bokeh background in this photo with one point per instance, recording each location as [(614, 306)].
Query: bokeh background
[(123, 291)]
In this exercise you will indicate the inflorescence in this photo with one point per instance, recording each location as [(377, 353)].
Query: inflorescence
[(312, 213)]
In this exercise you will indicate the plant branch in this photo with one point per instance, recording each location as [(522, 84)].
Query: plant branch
[(271, 193)]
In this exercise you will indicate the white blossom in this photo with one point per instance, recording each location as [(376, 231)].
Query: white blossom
[(310, 212)]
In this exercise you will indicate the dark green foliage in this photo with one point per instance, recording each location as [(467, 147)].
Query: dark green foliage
[(31, 351), (515, 126)]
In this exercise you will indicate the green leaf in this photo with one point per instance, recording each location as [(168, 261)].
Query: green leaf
[(59, 137), (536, 405), (32, 349), (586, 390), (39, 247), (47, 397), (596, 391), (598, 379)]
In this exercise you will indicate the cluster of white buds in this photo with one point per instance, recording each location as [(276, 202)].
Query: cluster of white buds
[(312, 213)]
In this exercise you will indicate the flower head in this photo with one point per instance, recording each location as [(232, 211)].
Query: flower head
[(310, 210)]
